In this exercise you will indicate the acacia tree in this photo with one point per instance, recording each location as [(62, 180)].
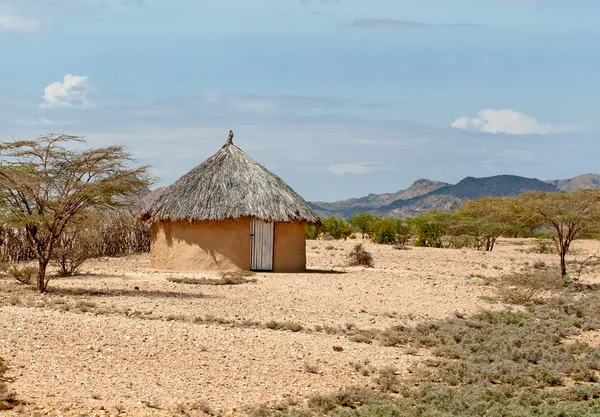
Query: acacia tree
[(487, 219), (363, 221), (568, 216), (45, 186)]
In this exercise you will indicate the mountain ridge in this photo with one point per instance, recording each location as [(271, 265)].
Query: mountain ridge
[(426, 195)]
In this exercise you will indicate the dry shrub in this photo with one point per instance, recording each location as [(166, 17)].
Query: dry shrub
[(284, 325), (524, 287), (121, 234), (387, 379), (74, 247), (545, 246), (25, 274), (111, 233), (359, 256), (14, 246)]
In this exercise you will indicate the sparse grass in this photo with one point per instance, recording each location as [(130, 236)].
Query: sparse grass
[(529, 285), (226, 279), (359, 256), (361, 338), (311, 368), (284, 325), (203, 406), (503, 363), (364, 368)]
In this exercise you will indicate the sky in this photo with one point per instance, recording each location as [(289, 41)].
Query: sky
[(340, 98)]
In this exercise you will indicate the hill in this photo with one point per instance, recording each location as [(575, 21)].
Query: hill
[(425, 195), (581, 182)]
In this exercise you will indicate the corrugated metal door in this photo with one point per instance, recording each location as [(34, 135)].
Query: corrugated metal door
[(261, 245)]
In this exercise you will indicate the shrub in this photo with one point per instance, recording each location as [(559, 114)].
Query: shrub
[(25, 275), (524, 287), (389, 231), (360, 257), (74, 247), (545, 246), (285, 325), (387, 379), (311, 232)]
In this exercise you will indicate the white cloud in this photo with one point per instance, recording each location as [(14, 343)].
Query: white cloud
[(356, 168), (73, 92), (508, 121), (11, 20)]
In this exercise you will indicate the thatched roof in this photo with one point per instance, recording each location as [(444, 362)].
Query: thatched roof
[(229, 185)]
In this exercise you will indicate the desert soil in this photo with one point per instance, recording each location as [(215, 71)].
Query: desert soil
[(121, 339)]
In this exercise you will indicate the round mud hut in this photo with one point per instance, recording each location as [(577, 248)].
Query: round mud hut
[(229, 213)]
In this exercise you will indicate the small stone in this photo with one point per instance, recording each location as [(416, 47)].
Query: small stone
[(337, 348)]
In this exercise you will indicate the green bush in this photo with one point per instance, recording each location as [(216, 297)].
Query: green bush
[(387, 231), (337, 227), (363, 222), (311, 232)]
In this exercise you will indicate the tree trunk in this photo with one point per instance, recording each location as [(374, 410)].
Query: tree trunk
[(563, 264), (41, 278)]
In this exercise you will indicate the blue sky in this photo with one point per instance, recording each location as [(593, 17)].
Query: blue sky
[(339, 97)]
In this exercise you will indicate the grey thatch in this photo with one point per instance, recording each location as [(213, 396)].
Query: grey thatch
[(229, 185)]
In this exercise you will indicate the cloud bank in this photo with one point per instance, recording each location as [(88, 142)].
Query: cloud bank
[(11, 20), (508, 121), (356, 168), (402, 24)]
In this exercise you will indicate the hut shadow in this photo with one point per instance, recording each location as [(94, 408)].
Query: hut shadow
[(110, 292)]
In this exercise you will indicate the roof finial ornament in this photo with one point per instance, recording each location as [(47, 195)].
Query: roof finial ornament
[(230, 138)]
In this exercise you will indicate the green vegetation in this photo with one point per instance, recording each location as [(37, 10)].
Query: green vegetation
[(363, 222), (337, 227), (555, 219)]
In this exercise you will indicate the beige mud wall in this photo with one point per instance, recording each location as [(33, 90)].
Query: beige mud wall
[(289, 247), (201, 246)]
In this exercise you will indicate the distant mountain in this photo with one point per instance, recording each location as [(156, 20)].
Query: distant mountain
[(581, 182), (373, 201), (425, 195)]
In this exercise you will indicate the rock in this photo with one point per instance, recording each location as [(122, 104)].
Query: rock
[(5, 405), (337, 348)]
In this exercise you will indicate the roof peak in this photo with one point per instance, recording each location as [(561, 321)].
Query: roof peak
[(229, 138)]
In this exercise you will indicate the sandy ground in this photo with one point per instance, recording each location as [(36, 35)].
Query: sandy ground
[(123, 340)]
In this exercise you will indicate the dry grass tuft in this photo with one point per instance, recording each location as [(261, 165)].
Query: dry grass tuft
[(359, 256), (26, 275), (226, 279)]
